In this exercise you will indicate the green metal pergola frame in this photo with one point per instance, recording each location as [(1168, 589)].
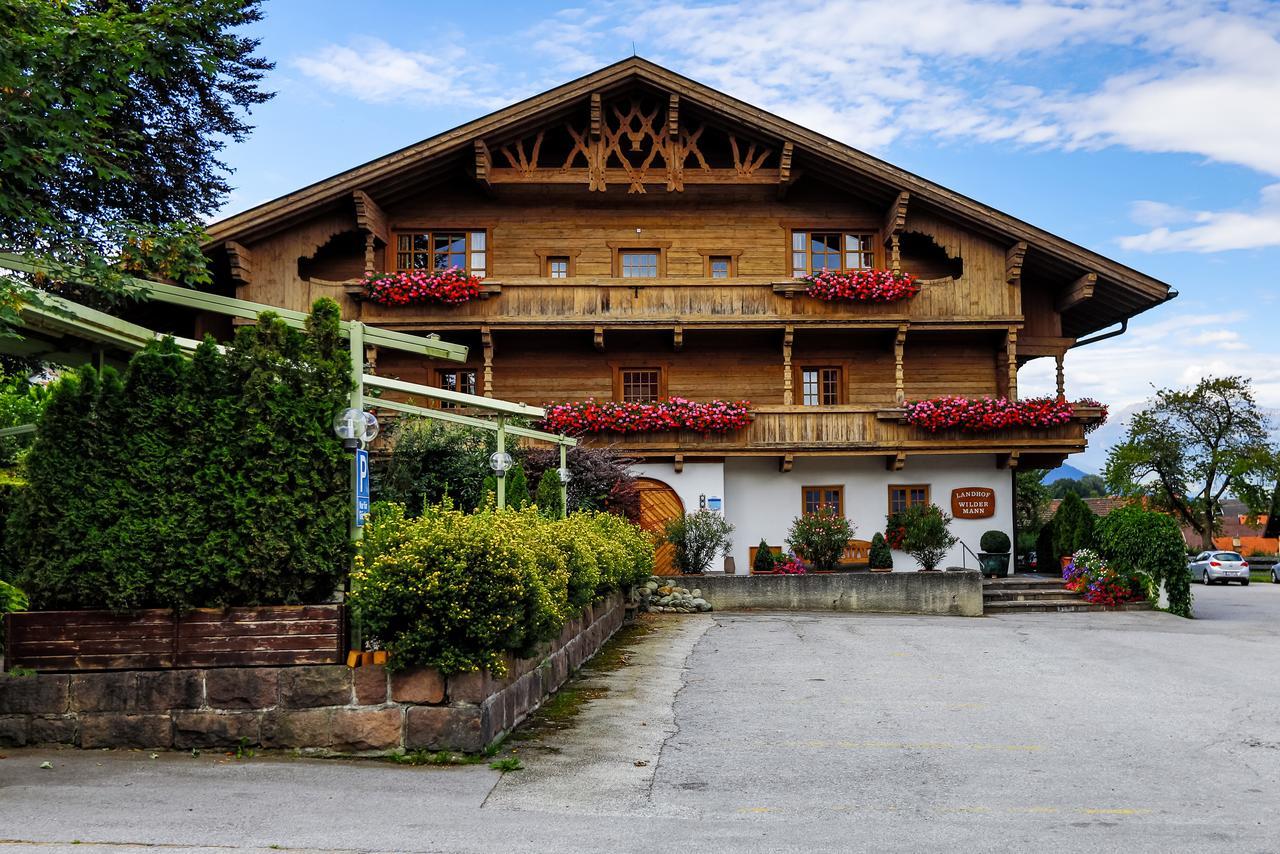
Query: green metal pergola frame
[(41, 312)]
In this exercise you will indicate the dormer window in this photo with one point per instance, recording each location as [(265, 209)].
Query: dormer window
[(838, 251), (442, 250)]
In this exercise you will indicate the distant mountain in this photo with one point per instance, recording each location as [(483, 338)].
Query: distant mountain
[(1064, 470)]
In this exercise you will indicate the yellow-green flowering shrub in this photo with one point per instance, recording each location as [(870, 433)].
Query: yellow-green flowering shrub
[(456, 590)]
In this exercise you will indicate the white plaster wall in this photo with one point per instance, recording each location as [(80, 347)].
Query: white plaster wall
[(760, 501)]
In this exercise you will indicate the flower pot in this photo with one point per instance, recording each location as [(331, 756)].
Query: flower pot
[(1065, 561), (994, 563)]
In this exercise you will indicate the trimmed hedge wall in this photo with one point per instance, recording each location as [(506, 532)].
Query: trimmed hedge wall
[(455, 591), (209, 481)]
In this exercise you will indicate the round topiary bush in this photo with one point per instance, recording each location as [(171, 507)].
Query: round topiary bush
[(995, 542)]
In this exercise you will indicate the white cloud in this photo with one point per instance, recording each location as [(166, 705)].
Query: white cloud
[(1207, 231), (372, 70)]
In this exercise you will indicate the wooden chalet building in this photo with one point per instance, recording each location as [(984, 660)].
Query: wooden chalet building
[(642, 236)]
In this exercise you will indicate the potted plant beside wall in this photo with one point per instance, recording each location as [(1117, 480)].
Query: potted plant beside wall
[(880, 557), (698, 538), (820, 538), (995, 553), (927, 537)]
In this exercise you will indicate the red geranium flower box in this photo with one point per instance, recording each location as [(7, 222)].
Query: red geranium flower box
[(862, 286), (676, 413), (414, 287)]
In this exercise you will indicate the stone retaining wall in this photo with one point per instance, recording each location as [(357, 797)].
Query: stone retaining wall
[(321, 707), (956, 594)]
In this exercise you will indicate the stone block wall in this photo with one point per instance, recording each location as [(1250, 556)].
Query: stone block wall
[(957, 594), (316, 707)]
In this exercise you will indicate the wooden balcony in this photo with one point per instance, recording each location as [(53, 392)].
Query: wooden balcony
[(852, 430), (664, 303)]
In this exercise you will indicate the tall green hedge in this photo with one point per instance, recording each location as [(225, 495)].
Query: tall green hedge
[(1073, 526), (1135, 540), (187, 483)]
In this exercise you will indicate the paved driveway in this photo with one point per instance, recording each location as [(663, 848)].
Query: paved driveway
[(795, 732)]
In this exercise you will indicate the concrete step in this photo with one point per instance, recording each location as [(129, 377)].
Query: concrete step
[(1051, 605), (1015, 583), (1027, 595)]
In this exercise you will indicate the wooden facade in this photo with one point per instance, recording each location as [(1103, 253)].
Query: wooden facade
[(553, 197)]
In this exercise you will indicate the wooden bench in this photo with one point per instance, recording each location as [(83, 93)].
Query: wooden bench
[(856, 554)]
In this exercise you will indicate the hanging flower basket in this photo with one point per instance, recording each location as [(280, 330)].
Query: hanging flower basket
[(988, 414), (415, 287), (676, 413), (862, 286)]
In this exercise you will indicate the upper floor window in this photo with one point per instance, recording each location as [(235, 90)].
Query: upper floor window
[(815, 498), (902, 497), (461, 380), (720, 266), (842, 251), (443, 250), (820, 386), (640, 385), (558, 266), (639, 263)]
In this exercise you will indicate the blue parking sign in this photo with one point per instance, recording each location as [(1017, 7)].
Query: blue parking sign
[(362, 486)]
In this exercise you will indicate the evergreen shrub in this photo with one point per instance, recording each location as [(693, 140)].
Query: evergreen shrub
[(928, 537), (213, 481), (457, 591), (820, 538), (879, 556), (1072, 526), (1135, 541)]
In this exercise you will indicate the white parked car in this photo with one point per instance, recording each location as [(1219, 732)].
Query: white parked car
[(1219, 567)]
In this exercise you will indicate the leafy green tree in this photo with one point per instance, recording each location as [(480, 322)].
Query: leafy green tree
[(431, 461), (1089, 486), (1135, 540), (21, 402), (1189, 447), (927, 537), (113, 114), (820, 538), (879, 556), (698, 538), (548, 494), (1072, 526)]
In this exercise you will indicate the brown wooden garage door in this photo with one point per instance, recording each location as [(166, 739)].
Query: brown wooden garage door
[(659, 504)]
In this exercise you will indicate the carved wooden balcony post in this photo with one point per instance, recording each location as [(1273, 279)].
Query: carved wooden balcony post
[(486, 340), (1011, 361), (899, 376), (788, 393), (1062, 390)]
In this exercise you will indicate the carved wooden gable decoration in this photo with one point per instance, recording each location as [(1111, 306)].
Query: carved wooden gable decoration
[(633, 139)]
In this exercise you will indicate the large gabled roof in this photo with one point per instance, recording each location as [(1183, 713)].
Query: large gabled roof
[(1120, 293)]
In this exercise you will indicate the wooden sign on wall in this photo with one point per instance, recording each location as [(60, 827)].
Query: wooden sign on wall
[(973, 502)]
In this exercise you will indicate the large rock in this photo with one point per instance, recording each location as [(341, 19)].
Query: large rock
[(285, 728), (104, 692), (312, 687), (445, 728), (363, 730), (162, 690), (418, 685), (370, 682), (114, 729), (215, 729), (242, 687), (34, 695)]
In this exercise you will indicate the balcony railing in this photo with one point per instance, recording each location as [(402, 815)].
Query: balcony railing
[(851, 430)]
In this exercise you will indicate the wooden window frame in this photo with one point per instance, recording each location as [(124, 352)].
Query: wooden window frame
[(393, 247), (731, 254), (546, 255), (662, 247), (838, 488), (877, 249), (928, 498), (842, 390), (660, 367), (440, 375)]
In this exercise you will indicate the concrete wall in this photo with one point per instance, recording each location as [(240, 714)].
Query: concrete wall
[(956, 594), (330, 708)]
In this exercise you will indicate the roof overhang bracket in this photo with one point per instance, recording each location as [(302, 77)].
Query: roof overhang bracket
[(786, 177), (1013, 258), (241, 260), (895, 220), (1076, 292)]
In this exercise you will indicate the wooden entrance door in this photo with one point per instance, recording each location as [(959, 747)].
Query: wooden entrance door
[(659, 505)]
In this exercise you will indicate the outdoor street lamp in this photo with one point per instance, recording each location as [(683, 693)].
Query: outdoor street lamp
[(565, 475), (500, 462), (355, 427)]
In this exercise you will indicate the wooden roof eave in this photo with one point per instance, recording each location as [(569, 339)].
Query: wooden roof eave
[(303, 203)]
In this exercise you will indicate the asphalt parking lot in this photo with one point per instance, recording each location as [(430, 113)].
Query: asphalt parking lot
[(782, 732)]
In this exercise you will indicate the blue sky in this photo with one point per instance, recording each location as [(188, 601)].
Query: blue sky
[(1147, 130)]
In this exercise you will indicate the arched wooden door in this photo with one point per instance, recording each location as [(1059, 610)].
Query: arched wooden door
[(659, 504)]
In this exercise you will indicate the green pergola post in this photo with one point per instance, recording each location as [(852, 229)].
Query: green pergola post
[(564, 487), (502, 449), (356, 340)]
